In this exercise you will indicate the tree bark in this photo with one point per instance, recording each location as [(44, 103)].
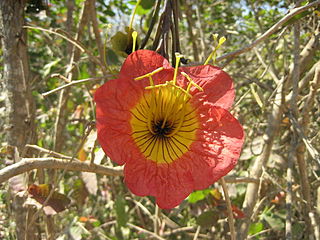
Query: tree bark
[(19, 122)]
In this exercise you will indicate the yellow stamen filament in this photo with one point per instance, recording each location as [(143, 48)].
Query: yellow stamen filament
[(191, 82), (178, 57), (218, 44), (134, 39), (149, 74)]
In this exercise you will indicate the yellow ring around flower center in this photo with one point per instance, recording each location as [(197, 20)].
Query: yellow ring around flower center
[(164, 123)]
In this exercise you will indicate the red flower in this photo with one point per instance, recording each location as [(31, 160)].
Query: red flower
[(170, 127)]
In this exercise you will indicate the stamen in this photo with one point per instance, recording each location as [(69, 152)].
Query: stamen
[(134, 39), (213, 54), (169, 83), (149, 74), (178, 57), (191, 82)]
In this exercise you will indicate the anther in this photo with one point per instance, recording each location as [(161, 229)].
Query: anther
[(191, 82), (134, 39), (149, 74)]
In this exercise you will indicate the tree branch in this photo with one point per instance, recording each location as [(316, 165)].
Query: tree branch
[(28, 164)]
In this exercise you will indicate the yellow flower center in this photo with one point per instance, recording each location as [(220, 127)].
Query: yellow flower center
[(163, 122)]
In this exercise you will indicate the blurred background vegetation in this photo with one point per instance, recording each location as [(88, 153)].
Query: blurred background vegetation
[(274, 189)]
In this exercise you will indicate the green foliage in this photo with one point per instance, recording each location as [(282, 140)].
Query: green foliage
[(208, 219), (274, 219), (198, 195), (255, 228)]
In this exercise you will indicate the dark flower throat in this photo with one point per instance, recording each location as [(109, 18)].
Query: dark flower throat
[(162, 131)]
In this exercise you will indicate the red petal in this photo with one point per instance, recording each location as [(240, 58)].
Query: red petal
[(169, 183), (113, 100), (142, 62), (218, 146), (217, 85)]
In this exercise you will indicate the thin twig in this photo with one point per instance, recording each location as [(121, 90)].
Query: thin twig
[(96, 31), (145, 231), (233, 179), (74, 83), (197, 233), (71, 40), (314, 225), (155, 220), (178, 230), (269, 32), (154, 18), (229, 209)]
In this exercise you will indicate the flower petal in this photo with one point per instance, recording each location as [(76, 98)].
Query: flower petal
[(217, 148), (113, 100), (217, 84), (142, 62), (169, 183)]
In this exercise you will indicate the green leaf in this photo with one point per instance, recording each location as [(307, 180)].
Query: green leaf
[(142, 11), (257, 94), (208, 219), (255, 228), (109, 12), (147, 4), (122, 217), (275, 221), (198, 195), (119, 41)]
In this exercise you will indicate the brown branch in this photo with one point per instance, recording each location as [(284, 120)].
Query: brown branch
[(192, 37), (153, 21), (96, 31), (269, 32), (233, 179), (294, 111), (229, 209), (62, 110), (28, 164)]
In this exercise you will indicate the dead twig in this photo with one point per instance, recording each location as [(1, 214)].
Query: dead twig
[(145, 231)]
